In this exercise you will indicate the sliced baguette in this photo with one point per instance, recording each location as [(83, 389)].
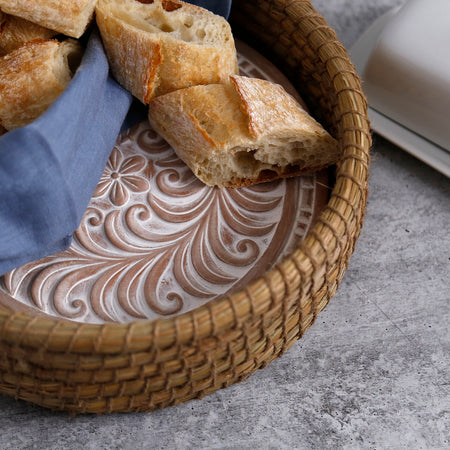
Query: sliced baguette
[(159, 46), (15, 31), (69, 17), (32, 77), (245, 132)]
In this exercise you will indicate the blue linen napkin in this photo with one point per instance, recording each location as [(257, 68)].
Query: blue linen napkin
[(221, 7), (50, 168)]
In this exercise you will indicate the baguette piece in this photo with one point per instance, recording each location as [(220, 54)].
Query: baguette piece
[(15, 31), (245, 132), (32, 77), (159, 46), (69, 17)]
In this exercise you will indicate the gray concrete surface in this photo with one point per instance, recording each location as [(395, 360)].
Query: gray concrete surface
[(373, 371)]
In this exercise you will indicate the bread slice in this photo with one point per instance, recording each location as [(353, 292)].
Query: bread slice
[(32, 77), (15, 31), (159, 46), (69, 17), (241, 133)]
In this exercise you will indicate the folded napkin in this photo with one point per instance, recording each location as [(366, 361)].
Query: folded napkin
[(50, 168)]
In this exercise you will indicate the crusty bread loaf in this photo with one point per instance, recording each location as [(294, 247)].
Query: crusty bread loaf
[(69, 17), (32, 77), (15, 31), (159, 46), (241, 133)]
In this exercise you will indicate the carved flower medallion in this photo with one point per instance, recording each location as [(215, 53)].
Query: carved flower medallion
[(121, 177)]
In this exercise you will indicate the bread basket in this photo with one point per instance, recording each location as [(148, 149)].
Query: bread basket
[(142, 366)]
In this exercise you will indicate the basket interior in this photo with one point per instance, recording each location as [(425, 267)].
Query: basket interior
[(148, 365)]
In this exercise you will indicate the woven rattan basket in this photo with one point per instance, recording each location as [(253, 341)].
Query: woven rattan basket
[(147, 365)]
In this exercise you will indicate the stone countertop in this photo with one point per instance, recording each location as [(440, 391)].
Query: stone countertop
[(373, 371)]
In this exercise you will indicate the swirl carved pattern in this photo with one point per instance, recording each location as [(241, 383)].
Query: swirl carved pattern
[(155, 241)]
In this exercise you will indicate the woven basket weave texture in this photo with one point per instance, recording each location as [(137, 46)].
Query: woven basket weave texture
[(142, 366)]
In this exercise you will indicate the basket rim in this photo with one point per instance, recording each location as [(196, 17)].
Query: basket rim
[(219, 315)]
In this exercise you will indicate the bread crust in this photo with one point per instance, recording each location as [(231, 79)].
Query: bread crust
[(15, 31), (245, 132), (133, 62), (68, 17), (153, 49), (32, 77)]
